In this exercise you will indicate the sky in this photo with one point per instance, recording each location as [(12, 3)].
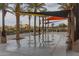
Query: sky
[(11, 20)]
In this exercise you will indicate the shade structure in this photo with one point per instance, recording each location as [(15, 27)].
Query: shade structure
[(63, 13), (55, 18), (52, 22)]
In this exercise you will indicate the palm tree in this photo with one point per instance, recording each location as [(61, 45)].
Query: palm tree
[(4, 7), (16, 11), (3, 38), (17, 14), (70, 6), (27, 9), (76, 9), (36, 7)]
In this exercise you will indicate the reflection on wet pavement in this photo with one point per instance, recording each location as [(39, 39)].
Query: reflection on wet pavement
[(56, 46)]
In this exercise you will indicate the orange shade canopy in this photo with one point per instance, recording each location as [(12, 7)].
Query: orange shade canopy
[(55, 18)]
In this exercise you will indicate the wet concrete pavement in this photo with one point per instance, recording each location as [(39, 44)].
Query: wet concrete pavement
[(56, 48)]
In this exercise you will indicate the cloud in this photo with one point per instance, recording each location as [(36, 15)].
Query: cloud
[(52, 7)]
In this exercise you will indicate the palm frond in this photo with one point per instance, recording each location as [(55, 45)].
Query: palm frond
[(10, 12)]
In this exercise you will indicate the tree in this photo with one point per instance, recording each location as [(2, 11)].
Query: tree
[(62, 25), (4, 8), (76, 9), (52, 24), (16, 11), (71, 30), (3, 37), (36, 7), (17, 14)]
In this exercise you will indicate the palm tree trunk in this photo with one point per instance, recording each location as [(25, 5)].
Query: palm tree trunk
[(76, 13), (48, 32), (34, 31), (3, 38), (39, 30), (69, 33), (29, 31), (45, 28), (17, 30), (43, 31), (18, 24), (73, 29), (35, 28)]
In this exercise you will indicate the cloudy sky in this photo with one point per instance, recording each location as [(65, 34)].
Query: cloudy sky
[(10, 19)]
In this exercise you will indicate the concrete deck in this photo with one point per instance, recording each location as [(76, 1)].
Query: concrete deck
[(56, 48)]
